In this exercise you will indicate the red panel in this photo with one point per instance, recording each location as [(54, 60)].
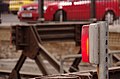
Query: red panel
[(84, 43)]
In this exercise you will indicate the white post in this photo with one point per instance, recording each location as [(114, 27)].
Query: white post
[(103, 62)]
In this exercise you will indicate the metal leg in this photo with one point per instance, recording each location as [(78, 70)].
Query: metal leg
[(15, 72), (74, 66), (41, 65), (50, 58)]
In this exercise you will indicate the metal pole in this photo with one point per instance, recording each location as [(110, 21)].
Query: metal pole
[(103, 65), (61, 16), (93, 11), (40, 10), (61, 65), (74, 66), (0, 11), (0, 18)]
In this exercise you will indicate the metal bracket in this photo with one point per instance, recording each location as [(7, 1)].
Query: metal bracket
[(33, 49)]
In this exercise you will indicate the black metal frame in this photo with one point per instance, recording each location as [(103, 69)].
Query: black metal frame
[(29, 39)]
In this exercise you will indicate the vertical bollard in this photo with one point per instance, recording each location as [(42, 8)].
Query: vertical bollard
[(0, 11), (103, 65)]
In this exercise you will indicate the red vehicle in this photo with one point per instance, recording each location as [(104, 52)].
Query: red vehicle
[(72, 10), (30, 12)]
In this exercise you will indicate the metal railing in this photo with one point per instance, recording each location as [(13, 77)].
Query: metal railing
[(63, 58)]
